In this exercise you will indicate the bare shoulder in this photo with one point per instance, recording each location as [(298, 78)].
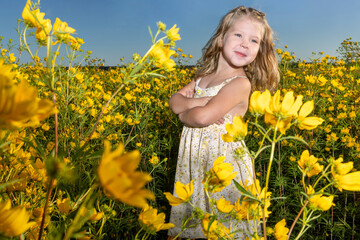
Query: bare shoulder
[(239, 84)]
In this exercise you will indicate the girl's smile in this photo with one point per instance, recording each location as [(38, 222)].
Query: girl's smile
[(240, 54)]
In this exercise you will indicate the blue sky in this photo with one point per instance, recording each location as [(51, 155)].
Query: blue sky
[(113, 29)]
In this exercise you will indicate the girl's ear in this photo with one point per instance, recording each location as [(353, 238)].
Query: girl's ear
[(221, 42)]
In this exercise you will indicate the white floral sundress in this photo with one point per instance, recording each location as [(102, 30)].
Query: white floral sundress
[(199, 147)]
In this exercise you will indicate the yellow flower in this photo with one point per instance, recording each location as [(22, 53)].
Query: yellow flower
[(62, 31), (26, 14), (224, 206), (75, 43), (259, 101), (118, 176), (65, 206), (236, 131), (251, 209), (350, 181), (161, 26), (161, 55), (19, 105), (305, 122), (172, 34), (288, 107), (153, 221), (342, 168), (309, 164), (213, 229), (12, 58), (42, 33), (183, 193), (321, 80), (32, 17), (13, 221), (281, 232), (95, 216), (318, 201), (154, 160), (280, 114), (220, 175), (282, 125), (344, 179)]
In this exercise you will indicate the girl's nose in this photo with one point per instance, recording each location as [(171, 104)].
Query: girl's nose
[(244, 43)]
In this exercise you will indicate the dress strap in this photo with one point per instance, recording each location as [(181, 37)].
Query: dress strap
[(240, 76), (197, 82)]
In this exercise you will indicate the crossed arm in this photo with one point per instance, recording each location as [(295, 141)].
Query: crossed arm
[(201, 112), (183, 99)]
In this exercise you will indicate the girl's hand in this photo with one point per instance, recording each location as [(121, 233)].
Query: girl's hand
[(206, 100), (220, 121), (189, 93)]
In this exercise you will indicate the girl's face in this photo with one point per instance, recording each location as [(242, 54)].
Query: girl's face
[(241, 43)]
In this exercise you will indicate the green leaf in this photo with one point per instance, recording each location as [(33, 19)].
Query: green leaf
[(5, 185), (261, 149), (295, 138), (244, 192), (150, 32)]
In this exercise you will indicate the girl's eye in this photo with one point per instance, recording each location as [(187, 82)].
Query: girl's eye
[(238, 34), (254, 41)]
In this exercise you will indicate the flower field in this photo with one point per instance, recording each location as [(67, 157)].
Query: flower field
[(90, 153)]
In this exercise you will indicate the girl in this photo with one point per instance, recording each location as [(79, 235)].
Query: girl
[(238, 59)]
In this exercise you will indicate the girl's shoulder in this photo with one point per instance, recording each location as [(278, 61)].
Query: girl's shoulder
[(238, 83), (238, 80)]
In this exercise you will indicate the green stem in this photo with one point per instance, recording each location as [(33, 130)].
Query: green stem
[(27, 46), (49, 190), (296, 219), (102, 111), (182, 227), (268, 177), (303, 226), (137, 235), (37, 50), (269, 166), (322, 190), (56, 128), (56, 54), (322, 175), (74, 226)]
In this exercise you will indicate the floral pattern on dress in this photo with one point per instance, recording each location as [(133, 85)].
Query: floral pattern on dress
[(198, 149)]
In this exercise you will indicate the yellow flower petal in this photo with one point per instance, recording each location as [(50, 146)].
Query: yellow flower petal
[(296, 106), (287, 102), (172, 34), (306, 109), (350, 181), (19, 104), (13, 221), (118, 176), (281, 231), (224, 206), (184, 192), (154, 222), (173, 201), (310, 123)]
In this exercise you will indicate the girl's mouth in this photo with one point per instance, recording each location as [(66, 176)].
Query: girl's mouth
[(240, 54)]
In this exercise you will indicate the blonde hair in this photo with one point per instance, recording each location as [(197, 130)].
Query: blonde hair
[(263, 71)]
